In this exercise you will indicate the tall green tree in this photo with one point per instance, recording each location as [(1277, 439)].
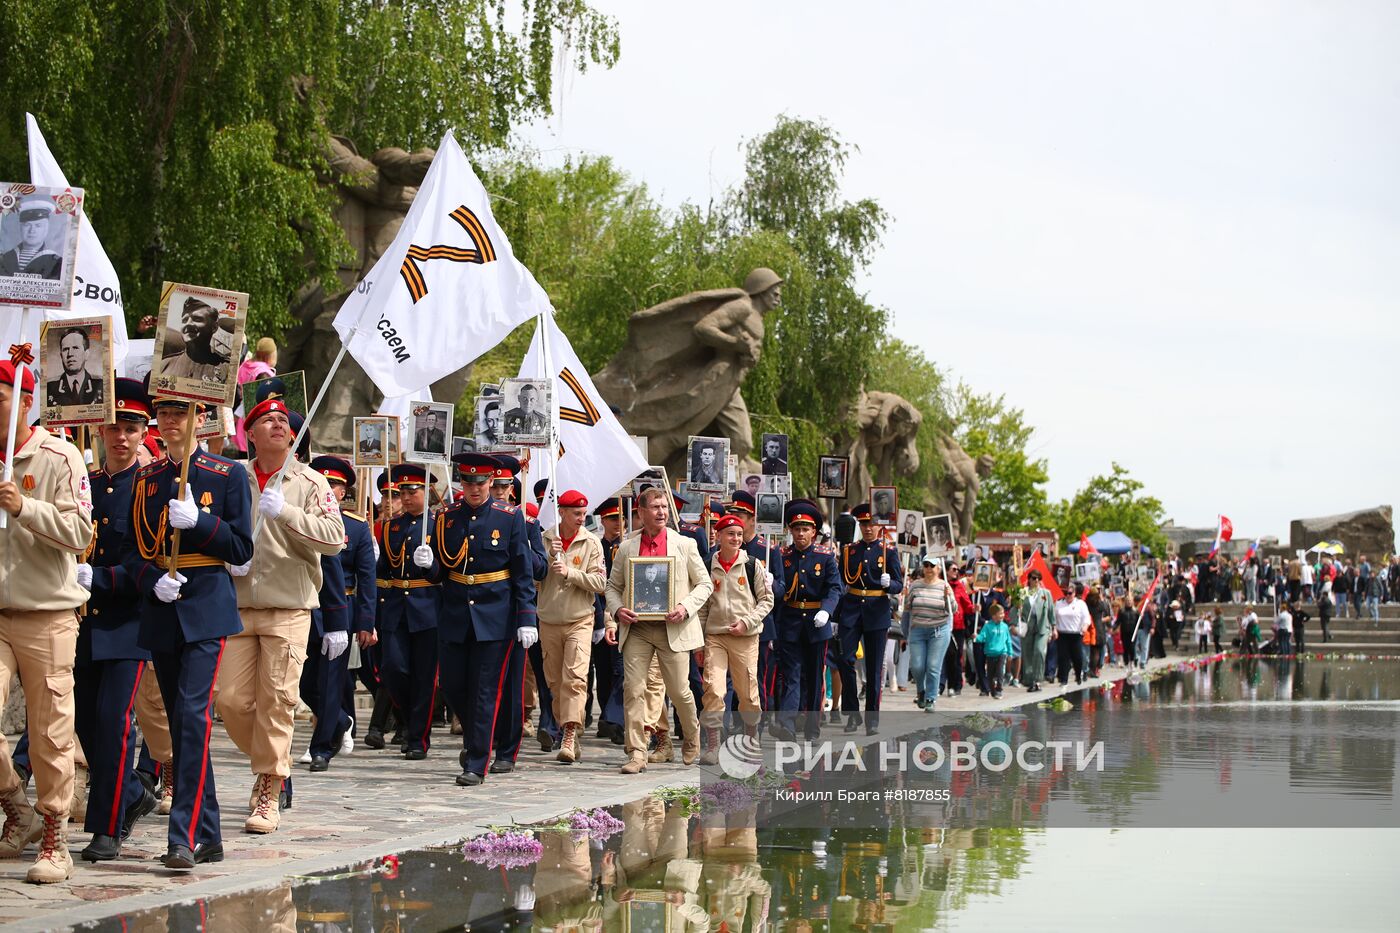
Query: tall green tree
[(199, 129), (1013, 497), (1111, 503)]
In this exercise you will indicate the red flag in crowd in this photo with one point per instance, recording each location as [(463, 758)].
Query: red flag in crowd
[(1037, 562), (1150, 590), (1223, 532), (1085, 546)]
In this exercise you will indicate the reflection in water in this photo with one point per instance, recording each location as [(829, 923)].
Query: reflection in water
[(1183, 740)]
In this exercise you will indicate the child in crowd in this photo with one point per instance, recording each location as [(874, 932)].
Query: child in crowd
[(995, 639), (1203, 632)]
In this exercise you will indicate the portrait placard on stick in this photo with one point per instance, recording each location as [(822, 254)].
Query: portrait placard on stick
[(938, 535), (884, 505), (774, 448), (431, 428), (706, 464), (372, 442), (218, 423), (768, 513), (77, 361), (199, 335), (526, 420), (38, 244), (911, 530), (983, 576), (394, 437), (832, 477)]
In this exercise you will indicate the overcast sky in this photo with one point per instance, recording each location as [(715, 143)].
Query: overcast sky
[(1167, 231)]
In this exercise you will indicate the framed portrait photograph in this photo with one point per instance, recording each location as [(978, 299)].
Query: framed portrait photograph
[(395, 438), (752, 483), (38, 243), (199, 336), (1062, 574), (651, 476), (706, 461), (695, 503), (218, 423), (429, 432), (938, 535), (833, 476), (487, 426), (774, 450), (984, 574), (289, 387), (731, 473), (463, 445), (77, 367), (884, 505), (371, 442), (652, 587), (910, 531), (768, 512), (1088, 572), (526, 420)]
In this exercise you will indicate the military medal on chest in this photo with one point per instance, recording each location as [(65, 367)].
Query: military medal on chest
[(495, 537)]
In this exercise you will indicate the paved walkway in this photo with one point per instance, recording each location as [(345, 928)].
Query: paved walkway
[(368, 804)]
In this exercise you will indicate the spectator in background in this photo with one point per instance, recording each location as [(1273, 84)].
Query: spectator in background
[(262, 363), (1251, 580), (1375, 592), (1306, 575), (1283, 631)]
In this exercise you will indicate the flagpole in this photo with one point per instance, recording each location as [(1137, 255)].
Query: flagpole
[(552, 490), (19, 365)]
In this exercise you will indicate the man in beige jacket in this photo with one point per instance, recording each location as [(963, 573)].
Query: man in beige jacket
[(732, 618), (565, 607), (259, 682), (49, 507), (670, 640)]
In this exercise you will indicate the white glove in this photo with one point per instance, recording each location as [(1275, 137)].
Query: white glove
[(525, 897), (271, 502), (183, 512), (374, 543), (241, 570), (528, 636), (168, 587), (333, 644), (884, 579), (85, 576), (598, 634), (821, 618), (423, 556)]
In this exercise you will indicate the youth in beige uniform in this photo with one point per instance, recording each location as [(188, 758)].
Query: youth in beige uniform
[(565, 607), (259, 682), (50, 524), (733, 619)]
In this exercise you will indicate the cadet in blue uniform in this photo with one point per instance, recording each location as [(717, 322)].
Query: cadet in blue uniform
[(691, 529), (481, 553), (606, 658), (871, 573), (805, 622), (357, 565), (761, 549), (372, 677), (110, 663), (185, 619), (408, 615), (323, 679), (510, 718)]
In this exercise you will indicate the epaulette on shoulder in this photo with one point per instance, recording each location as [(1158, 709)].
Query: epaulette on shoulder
[(214, 465), (823, 549), (786, 548), (150, 469), (506, 507)]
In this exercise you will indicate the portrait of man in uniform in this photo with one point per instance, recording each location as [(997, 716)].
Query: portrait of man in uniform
[(527, 422), (76, 384), (33, 256), (831, 477), (884, 505), (651, 586), (769, 509), (775, 454), (708, 456), (200, 355)]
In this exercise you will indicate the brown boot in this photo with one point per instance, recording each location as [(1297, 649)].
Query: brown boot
[(167, 787), (54, 864), (22, 824), (77, 810), (456, 728), (690, 748), (711, 742), (636, 764), (664, 750), (568, 744), (527, 725), (266, 816)]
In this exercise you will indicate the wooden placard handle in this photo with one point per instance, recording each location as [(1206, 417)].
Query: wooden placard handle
[(183, 484)]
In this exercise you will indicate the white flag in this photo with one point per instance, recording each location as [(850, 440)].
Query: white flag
[(597, 456), (96, 289), (447, 290)]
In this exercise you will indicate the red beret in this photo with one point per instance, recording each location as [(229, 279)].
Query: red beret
[(728, 521), (532, 510), (265, 407), (7, 376), (573, 499)]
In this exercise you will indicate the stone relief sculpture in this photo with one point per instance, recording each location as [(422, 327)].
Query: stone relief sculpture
[(680, 372), (955, 490), (885, 444)]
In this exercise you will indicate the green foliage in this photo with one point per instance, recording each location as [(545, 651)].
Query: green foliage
[(1111, 503), (199, 129), (1013, 497)]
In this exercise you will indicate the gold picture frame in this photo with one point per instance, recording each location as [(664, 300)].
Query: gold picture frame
[(651, 594)]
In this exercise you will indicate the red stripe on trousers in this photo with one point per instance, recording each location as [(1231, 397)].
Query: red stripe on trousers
[(125, 755), (496, 709), (432, 704), (516, 753), (208, 731)]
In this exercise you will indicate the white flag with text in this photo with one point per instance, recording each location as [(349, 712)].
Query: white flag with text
[(96, 289), (447, 290), (596, 456)]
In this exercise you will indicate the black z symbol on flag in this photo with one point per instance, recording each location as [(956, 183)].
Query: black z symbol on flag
[(588, 415), (483, 253)]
